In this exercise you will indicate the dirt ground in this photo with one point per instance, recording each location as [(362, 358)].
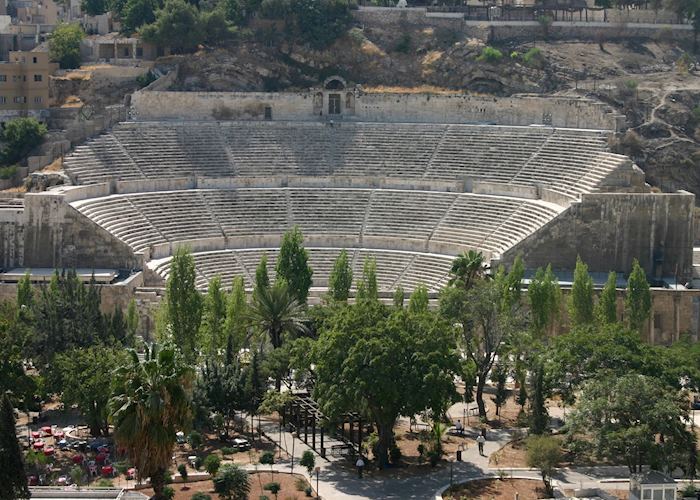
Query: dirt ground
[(495, 489), (257, 482)]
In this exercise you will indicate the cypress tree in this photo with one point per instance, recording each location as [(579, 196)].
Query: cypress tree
[(293, 265), (398, 297), (184, 304), (132, 322), (606, 308), (214, 317), (262, 280), (367, 288), (581, 298), (418, 302), (545, 299), (236, 325), (637, 298), (12, 475), (340, 279), (539, 419)]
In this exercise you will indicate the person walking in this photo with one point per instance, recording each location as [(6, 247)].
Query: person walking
[(480, 441), (360, 464), (459, 428)]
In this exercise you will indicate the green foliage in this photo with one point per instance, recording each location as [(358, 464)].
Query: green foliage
[(340, 279), (321, 22), (467, 269), (637, 298), (137, 13), (261, 278), (151, 401), (19, 137), (132, 322), (490, 54), (8, 172), (222, 388), (293, 265), (273, 487), (216, 29), (606, 308), (398, 297), (145, 79), (276, 311), (624, 415), (539, 418), (227, 450), (232, 483), (367, 289), (94, 7), (274, 401), (267, 458), (64, 45), (195, 439), (404, 44), (367, 348), (12, 474), (176, 26), (182, 470), (545, 300), (544, 453), (184, 304), (82, 376), (581, 298), (236, 324), (418, 302), (499, 376), (211, 464), (533, 58), (211, 332), (201, 496), (308, 460)]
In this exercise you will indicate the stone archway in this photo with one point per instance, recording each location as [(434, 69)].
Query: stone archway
[(335, 82)]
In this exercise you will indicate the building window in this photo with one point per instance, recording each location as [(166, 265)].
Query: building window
[(34, 60), (20, 100), (37, 100), (37, 78), (139, 51), (3, 78), (3, 99)]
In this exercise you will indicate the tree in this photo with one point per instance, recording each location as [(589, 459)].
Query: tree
[(64, 45), (15, 336), (25, 292), (539, 419), (273, 487), (581, 298), (261, 278), (398, 297), (308, 460), (321, 22), (184, 304), (254, 387), (388, 362), (12, 474), (367, 288), (489, 316), (223, 388), (176, 26), (544, 453), (19, 137), (545, 300), (467, 268), (499, 376), (212, 327), (232, 483), (637, 298), (688, 9), (132, 322), (82, 376), (418, 302), (293, 265), (215, 28), (94, 7), (606, 308), (151, 402), (236, 324), (137, 13), (182, 470), (633, 417), (340, 279), (212, 464)]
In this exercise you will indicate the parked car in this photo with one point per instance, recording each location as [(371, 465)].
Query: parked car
[(240, 444)]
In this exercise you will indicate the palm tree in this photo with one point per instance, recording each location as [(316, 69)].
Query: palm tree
[(275, 311), (151, 402), (467, 268)]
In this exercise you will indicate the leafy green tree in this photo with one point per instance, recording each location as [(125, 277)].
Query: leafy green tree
[(254, 387), (176, 26), (94, 7), (273, 487), (236, 324), (418, 301), (626, 414), (489, 316), (499, 376), (82, 376), (308, 460), (132, 322), (293, 265), (232, 483), (12, 474), (637, 298), (215, 28), (212, 464), (539, 418), (606, 308), (14, 337), (184, 304), (367, 288), (151, 402), (212, 328), (137, 13), (389, 362), (544, 453), (398, 297), (467, 268), (25, 294), (545, 299), (262, 280), (321, 22), (223, 387), (340, 279), (19, 137), (64, 45), (581, 298)]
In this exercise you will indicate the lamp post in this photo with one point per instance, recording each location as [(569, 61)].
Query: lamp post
[(318, 469), (294, 436)]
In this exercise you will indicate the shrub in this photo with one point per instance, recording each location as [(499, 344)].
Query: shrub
[(404, 44), (394, 454), (200, 496), (198, 462), (104, 483), (227, 450), (195, 439), (300, 484), (308, 460), (20, 136), (689, 491), (169, 492), (309, 491), (145, 80), (273, 487), (533, 58), (267, 458), (211, 464), (544, 453), (182, 469), (8, 172), (490, 54), (232, 482)]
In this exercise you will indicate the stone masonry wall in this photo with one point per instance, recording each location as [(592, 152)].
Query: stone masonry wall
[(609, 230)]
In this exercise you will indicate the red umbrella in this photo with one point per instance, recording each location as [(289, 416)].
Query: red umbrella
[(107, 470), (38, 444), (77, 459), (59, 434), (46, 430), (100, 458), (36, 434), (48, 451)]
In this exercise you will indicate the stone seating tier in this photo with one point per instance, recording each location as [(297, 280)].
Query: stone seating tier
[(422, 221), (407, 269), (569, 161)]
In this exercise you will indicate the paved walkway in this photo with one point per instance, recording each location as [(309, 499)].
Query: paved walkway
[(339, 481)]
